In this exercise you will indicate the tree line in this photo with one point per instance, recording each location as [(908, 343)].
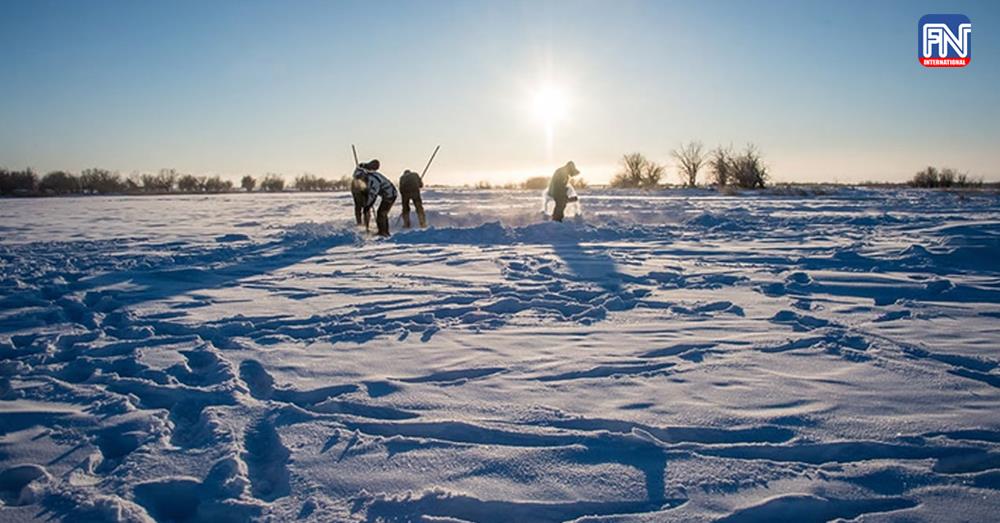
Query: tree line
[(725, 167), (744, 169), (167, 181), (946, 177)]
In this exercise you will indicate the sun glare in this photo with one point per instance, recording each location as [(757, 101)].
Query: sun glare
[(550, 106)]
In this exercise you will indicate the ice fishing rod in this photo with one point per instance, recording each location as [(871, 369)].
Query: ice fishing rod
[(429, 162), (355, 151)]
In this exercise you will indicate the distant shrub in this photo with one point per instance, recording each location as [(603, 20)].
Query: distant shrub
[(721, 164), (745, 170), (926, 178), (749, 171), (963, 180), (483, 185), (342, 184), (18, 182), (272, 183), (308, 182), (101, 181), (652, 175), (637, 172), (216, 184), (800, 189), (59, 182), (690, 159), (579, 183), (248, 183), (535, 183), (931, 177)]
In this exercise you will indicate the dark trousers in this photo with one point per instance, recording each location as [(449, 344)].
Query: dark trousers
[(557, 213), (418, 204), (382, 215), (359, 208)]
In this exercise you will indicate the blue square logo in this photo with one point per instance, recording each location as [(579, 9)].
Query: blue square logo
[(944, 40)]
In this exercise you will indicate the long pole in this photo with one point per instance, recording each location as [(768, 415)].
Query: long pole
[(355, 151), (429, 162)]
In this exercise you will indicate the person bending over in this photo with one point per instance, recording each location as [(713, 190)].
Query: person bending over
[(379, 187), (410, 184), (359, 191)]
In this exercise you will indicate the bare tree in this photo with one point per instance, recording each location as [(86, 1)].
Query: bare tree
[(166, 179), (18, 182), (163, 182), (690, 159), (749, 171), (190, 183), (343, 184), (101, 181), (631, 173), (721, 164), (248, 183), (652, 173), (272, 183), (946, 177), (59, 182), (638, 171), (216, 184), (535, 183), (745, 169), (310, 182)]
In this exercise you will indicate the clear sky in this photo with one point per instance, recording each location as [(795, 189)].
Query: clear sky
[(828, 90)]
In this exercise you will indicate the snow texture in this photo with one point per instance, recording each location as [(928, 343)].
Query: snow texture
[(663, 356)]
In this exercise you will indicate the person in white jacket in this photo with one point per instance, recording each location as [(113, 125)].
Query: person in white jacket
[(359, 191), (378, 187)]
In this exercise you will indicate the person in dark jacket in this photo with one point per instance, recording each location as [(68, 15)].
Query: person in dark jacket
[(380, 187), (410, 184), (559, 187), (359, 191)]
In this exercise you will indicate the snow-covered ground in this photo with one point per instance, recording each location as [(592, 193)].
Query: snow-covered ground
[(673, 356)]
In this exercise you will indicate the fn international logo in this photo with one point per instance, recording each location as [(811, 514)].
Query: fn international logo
[(944, 40)]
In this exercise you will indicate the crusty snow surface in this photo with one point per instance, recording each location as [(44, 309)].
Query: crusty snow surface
[(664, 356)]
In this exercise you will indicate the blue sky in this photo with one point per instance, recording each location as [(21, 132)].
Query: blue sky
[(828, 90)]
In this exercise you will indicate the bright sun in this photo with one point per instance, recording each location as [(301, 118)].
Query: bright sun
[(551, 105)]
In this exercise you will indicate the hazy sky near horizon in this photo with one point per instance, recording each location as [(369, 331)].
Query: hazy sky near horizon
[(830, 91)]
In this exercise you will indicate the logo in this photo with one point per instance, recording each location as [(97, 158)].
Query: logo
[(944, 40)]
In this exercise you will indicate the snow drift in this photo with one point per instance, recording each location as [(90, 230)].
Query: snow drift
[(663, 356)]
